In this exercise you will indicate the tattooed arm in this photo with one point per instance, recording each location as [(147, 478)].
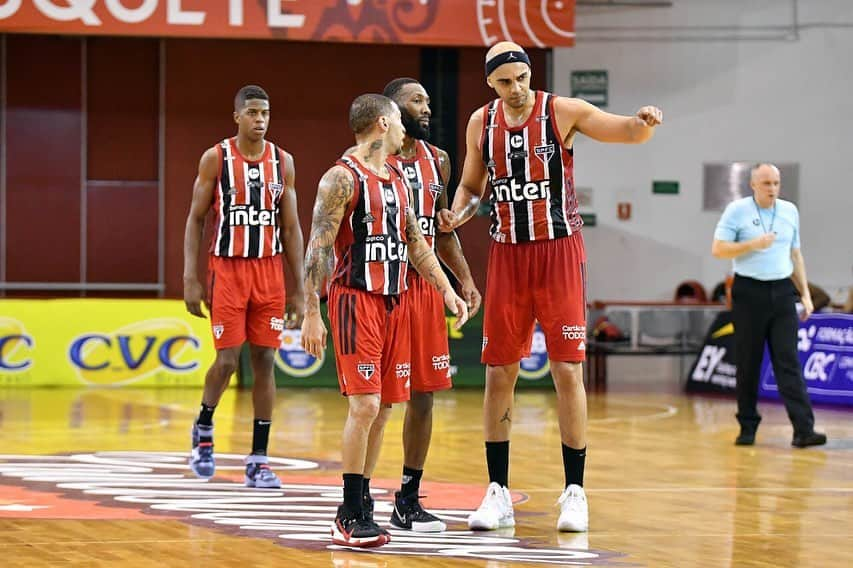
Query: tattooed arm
[(333, 197), (449, 249), (427, 265)]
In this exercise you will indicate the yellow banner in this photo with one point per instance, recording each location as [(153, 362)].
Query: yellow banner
[(102, 342)]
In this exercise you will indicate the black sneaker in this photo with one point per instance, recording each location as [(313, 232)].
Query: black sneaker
[(356, 531), (810, 439), (367, 507), (745, 438), (409, 515)]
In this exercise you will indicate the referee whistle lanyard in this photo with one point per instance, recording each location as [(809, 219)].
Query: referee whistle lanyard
[(760, 220)]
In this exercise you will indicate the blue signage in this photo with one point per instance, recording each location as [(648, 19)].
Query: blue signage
[(825, 347)]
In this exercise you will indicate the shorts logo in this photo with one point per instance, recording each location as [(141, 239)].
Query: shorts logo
[(218, 330), (366, 370), (441, 362), (275, 190), (485, 342), (582, 346), (544, 153), (276, 324), (574, 332), (403, 370)]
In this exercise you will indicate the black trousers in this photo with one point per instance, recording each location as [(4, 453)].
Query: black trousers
[(765, 311)]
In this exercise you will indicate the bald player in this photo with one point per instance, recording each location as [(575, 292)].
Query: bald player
[(521, 144)]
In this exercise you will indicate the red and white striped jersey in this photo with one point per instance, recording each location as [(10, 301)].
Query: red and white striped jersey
[(246, 202), (371, 247), (531, 175), (424, 174)]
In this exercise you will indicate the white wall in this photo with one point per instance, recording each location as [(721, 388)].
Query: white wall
[(786, 100)]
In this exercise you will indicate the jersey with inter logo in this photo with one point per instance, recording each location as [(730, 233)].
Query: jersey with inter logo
[(371, 246), (246, 202), (531, 175), (424, 175)]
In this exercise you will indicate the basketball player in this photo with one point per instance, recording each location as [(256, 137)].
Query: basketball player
[(428, 170), (363, 217), (248, 181), (522, 144)]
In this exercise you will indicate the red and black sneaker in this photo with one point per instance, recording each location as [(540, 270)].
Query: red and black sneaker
[(355, 530)]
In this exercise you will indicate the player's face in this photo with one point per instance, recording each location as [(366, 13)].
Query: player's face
[(766, 183), (396, 132), (253, 119), (416, 111), (511, 81)]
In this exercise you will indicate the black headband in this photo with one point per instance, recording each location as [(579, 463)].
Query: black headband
[(506, 57)]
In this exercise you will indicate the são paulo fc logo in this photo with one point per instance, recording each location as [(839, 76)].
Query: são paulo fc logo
[(292, 359), (536, 366)]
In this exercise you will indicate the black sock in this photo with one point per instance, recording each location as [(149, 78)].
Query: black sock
[(411, 483), (365, 487), (497, 458), (205, 415), (353, 492), (573, 462), (205, 424), (261, 437)]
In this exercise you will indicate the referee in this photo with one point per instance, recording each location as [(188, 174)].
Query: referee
[(761, 234)]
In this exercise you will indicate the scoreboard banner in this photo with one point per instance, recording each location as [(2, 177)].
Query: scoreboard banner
[(533, 23)]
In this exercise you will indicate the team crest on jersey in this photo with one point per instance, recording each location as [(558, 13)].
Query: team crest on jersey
[(516, 141), (218, 330), (389, 195), (275, 190), (544, 153), (435, 189), (366, 370)]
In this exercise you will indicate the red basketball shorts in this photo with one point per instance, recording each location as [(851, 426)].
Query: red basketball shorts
[(526, 282), (371, 334), (246, 300), (430, 352)]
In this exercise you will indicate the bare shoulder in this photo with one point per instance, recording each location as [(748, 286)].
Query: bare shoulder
[(209, 162), (349, 151), (476, 118), (571, 107), (337, 181)]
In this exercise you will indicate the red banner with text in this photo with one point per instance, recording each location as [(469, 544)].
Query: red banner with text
[(541, 23)]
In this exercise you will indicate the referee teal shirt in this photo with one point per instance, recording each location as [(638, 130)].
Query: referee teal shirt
[(744, 220)]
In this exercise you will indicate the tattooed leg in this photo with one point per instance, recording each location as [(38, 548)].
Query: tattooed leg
[(499, 401)]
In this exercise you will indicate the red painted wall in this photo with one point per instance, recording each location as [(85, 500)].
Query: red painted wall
[(310, 85)]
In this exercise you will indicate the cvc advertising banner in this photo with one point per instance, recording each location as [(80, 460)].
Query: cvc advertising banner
[(102, 342), (825, 347)]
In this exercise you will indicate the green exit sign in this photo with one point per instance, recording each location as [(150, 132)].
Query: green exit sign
[(667, 187)]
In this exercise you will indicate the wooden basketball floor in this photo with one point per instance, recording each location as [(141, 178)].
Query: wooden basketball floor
[(99, 478)]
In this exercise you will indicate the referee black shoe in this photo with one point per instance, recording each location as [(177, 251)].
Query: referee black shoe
[(810, 439)]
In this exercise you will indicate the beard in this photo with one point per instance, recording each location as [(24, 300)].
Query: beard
[(414, 128)]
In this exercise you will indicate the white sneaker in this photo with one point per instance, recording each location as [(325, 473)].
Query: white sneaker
[(495, 511), (574, 511)]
